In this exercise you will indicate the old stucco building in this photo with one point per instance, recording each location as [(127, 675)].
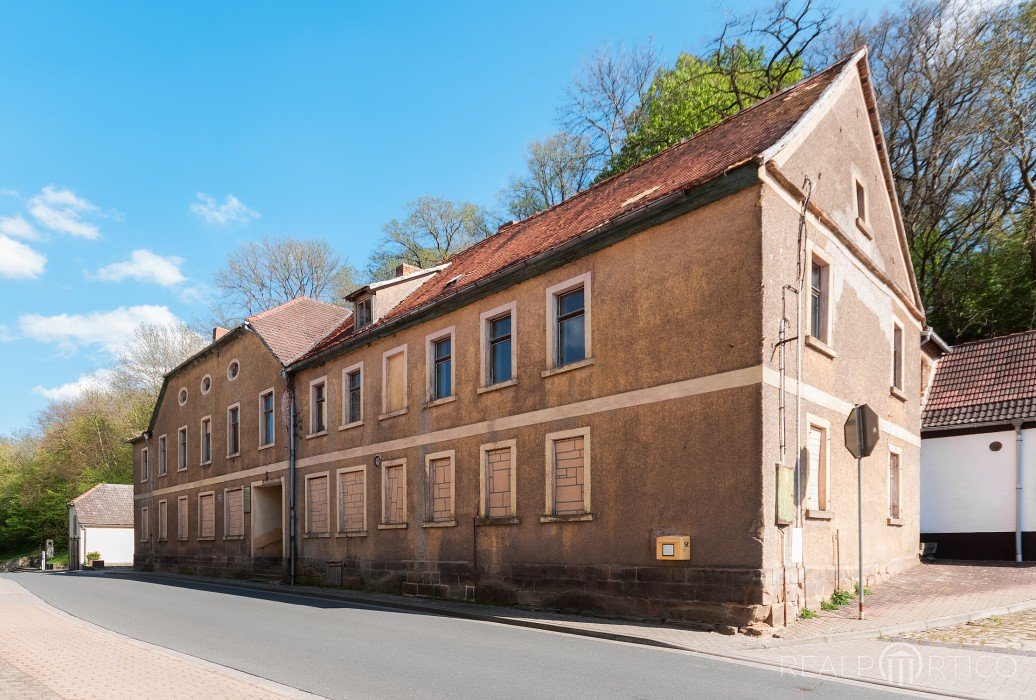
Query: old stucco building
[(526, 422)]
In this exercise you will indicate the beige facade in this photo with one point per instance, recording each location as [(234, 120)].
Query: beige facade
[(551, 485)]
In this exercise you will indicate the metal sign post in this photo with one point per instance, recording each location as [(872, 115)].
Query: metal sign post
[(861, 435)]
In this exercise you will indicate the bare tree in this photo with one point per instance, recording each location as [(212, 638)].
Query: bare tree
[(433, 229), (558, 167), (263, 274), (603, 104), (150, 352)]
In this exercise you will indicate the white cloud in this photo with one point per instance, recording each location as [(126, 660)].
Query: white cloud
[(145, 266), (196, 294), (8, 192), (62, 210), (107, 329), (19, 261), (232, 212), (18, 227), (72, 390)]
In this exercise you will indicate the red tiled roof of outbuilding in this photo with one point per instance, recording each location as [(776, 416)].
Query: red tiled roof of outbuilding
[(986, 381), (105, 504)]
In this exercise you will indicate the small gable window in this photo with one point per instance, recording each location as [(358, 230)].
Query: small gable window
[(364, 312), (182, 396), (233, 369)]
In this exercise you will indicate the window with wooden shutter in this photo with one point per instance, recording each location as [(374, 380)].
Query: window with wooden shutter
[(395, 398), (234, 510), (145, 525), (206, 516), (816, 475), (163, 520), (895, 478), (317, 515), (182, 527)]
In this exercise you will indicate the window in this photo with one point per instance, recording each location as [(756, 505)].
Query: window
[(318, 406), (393, 493), (497, 343), (352, 500), (233, 513), (352, 399), (441, 493), (439, 349), (181, 449), (181, 397), (861, 203), (163, 520), (145, 524), (234, 430), (818, 449), (818, 296), (894, 483), (181, 518), (568, 466), (207, 516), (897, 356), (206, 384), (143, 465), (206, 440), (162, 454), (394, 391), (364, 310), (568, 313), (318, 516), (267, 419), (497, 489), (233, 369)]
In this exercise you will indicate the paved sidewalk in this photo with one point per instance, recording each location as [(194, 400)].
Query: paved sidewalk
[(46, 653), (1012, 633)]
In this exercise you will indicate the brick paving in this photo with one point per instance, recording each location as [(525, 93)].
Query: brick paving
[(45, 653), (1015, 632)]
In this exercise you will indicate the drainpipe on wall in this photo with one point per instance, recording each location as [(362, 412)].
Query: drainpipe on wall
[(1019, 473), (289, 379)]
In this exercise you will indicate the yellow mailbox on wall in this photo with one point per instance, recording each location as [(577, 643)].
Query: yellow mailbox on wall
[(674, 547)]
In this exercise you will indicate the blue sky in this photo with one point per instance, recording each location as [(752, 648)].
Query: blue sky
[(140, 142)]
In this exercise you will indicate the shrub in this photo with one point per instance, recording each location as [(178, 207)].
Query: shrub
[(93, 556)]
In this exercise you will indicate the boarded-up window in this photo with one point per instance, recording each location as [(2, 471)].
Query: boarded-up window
[(181, 518), (206, 516), (498, 483), (317, 517), (234, 510), (894, 479), (395, 382), (394, 485), (440, 489), (163, 520), (569, 476), (816, 477), (352, 511), (145, 525), (162, 454)]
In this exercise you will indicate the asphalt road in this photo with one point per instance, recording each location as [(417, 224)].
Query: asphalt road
[(340, 649)]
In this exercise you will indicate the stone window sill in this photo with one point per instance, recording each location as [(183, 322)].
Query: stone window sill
[(319, 433), (513, 520), (821, 347), (440, 402), (268, 446), (498, 385), (181, 539), (358, 533), (897, 393), (575, 518), (894, 522), (206, 464), (865, 229), (820, 514), (393, 414), (439, 523), (233, 456), (234, 537), (161, 539), (392, 526), (354, 424), (206, 539), (315, 535), (567, 368), (163, 474), (181, 469)]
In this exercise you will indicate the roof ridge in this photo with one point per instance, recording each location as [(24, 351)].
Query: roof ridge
[(990, 340)]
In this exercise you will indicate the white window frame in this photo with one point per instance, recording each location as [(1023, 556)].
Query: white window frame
[(552, 293), (358, 367), (826, 343), (201, 384), (163, 512), (823, 504), (145, 465), (383, 525), (483, 476), (229, 409), (339, 531), (201, 441), (384, 382), (187, 518), (485, 365), (429, 353), (550, 439), (182, 395), (429, 511), (231, 364), (356, 306), (181, 454), (200, 496), (262, 419), (305, 500), (898, 381), (312, 406), (898, 451), (226, 513), (863, 219), (163, 455), (145, 524)]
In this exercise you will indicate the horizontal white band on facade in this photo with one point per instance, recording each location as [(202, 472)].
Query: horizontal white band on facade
[(749, 376)]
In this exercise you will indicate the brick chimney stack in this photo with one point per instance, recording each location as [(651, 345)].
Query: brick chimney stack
[(218, 332), (404, 269)]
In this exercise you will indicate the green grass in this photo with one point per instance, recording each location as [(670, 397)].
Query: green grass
[(807, 614), (60, 555)]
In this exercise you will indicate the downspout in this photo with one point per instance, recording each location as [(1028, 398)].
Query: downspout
[(1019, 474), (290, 381)]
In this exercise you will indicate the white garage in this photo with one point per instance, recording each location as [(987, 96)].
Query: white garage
[(101, 520)]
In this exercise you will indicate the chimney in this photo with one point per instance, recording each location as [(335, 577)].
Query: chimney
[(404, 269), (218, 332)]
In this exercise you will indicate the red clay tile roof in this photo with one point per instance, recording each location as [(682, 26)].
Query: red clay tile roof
[(707, 155), (106, 504), (293, 327), (987, 381)]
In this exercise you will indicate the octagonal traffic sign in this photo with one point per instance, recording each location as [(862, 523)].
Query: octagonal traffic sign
[(862, 431)]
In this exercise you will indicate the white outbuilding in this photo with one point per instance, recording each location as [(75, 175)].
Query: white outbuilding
[(101, 520)]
